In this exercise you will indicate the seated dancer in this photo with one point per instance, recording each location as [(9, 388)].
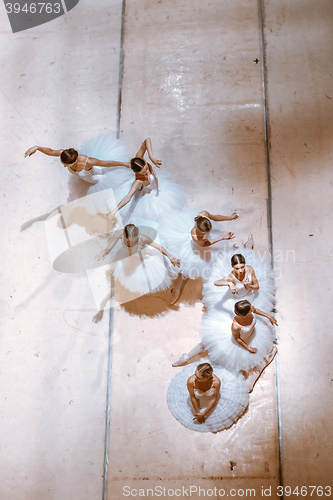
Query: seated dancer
[(248, 344), (97, 174), (223, 292), (207, 401), (196, 252), (147, 196), (137, 264)]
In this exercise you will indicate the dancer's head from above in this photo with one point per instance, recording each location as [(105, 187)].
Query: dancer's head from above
[(238, 263), (131, 234), (202, 224), (204, 371), (243, 307), (139, 165), (68, 157)]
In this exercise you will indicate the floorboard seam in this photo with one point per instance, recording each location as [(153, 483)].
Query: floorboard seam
[(269, 220)]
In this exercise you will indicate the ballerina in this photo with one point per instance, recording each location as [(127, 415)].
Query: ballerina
[(138, 264), (147, 196), (249, 344), (209, 400), (196, 251), (241, 282)]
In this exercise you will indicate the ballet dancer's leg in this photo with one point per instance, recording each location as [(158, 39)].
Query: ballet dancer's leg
[(177, 288), (250, 242), (186, 357), (254, 376)]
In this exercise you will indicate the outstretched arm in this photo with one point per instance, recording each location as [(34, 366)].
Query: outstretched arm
[(265, 315), (99, 315), (46, 151), (226, 282), (228, 236), (147, 146), (150, 242), (91, 162), (116, 237), (217, 217)]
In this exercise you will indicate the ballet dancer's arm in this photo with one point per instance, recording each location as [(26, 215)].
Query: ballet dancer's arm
[(135, 186), (190, 388), (99, 315), (253, 283), (148, 241), (147, 146), (45, 151), (91, 162), (265, 315), (228, 236), (213, 401), (236, 333), (116, 237), (217, 217), (227, 281)]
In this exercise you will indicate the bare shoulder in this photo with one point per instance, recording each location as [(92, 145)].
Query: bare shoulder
[(216, 382), (190, 381)]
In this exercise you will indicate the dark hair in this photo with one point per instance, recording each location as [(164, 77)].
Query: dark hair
[(203, 223), (205, 369), (137, 164), (238, 258), (243, 307), (131, 231), (69, 155)]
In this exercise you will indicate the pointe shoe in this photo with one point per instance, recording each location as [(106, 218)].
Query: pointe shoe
[(183, 359), (250, 242)]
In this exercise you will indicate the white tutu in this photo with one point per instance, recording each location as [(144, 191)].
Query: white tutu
[(222, 298), (196, 261), (223, 349), (234, 398), (151, 202), (141, 269)]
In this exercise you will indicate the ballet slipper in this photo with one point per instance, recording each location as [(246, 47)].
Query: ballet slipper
[(183, 359)]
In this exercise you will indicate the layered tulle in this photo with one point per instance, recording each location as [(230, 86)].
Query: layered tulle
[(196, 261), (223, 349), (234, 399), (222, 298)]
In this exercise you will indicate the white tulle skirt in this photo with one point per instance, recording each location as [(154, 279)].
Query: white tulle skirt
[(219, 341), (145, 270), (222, 298), (234, 399), (196, 261)]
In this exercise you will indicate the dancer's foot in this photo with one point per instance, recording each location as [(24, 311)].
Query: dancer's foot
[(183, 359), (250, 242), (254, 377)]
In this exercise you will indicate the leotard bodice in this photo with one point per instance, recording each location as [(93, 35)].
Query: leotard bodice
[(246, 331), (90, 176)]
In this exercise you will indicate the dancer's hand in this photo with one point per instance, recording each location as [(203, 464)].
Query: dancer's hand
[(253, 350), (98, 317), (175, 262), (157, 163), (228, 236), (234, 216), (30, 151), (273, 320), (200, 418), (232, 287)]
